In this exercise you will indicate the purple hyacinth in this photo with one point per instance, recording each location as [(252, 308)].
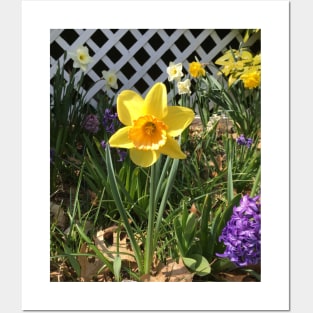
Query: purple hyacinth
[(243, 141), (122, 154), (103, 144), (242, 233), (91, 123), (108, 121)]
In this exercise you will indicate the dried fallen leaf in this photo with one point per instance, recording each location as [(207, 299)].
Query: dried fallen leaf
[(109, 252), (219, 160), (171, 272), (225, 125), (93, 198), (58, 216), (89, 266), (249, 273)]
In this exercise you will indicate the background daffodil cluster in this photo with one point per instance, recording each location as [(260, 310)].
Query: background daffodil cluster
[(241, 64), (175, 73)]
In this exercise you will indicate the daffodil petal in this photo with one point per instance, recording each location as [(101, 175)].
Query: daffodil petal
[(130, 106), (156, 101), (144, 158), (120, 139), (177, 119), (172, 149)]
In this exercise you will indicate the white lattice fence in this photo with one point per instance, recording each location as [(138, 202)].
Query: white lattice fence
[(138, 56)]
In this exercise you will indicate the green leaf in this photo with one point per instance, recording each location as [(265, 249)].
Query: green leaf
[(198, 264), (230, 188), (204, 229), (223, 265), (223, 219), (72, 259), (179, 235), (190, 263), (190, 228), (117, 264)]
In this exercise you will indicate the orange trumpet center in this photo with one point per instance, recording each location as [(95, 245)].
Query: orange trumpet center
[(148, 133)]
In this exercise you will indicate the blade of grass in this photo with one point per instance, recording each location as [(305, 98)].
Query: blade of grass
[(72, 259), (256, 183), (168, 188)]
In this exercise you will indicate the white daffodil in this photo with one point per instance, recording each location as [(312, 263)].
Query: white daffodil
[(110, 79), (184, 87), (81, 58), (175, 71)]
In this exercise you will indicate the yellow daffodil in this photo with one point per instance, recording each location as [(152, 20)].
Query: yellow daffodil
[(196, 69), (184, 87), (231, 57), (110, 79), (150, 125), (175, 71), (257, 59), (236, 63), (81, 58), (251, 79)]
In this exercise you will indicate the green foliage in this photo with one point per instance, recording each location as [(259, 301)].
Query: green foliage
[(176, 208), (243, 106), (66, 110), (186, 229)]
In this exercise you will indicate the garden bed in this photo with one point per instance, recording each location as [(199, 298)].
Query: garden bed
[(158, 189)]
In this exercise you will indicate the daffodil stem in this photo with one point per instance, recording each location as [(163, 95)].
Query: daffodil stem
[(121, 209), (173, 88), (149, 249)]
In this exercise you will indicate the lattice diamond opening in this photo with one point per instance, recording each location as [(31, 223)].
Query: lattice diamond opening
[(70, 36), (128, 40), (114, 54), (156, 41), (99, 37)]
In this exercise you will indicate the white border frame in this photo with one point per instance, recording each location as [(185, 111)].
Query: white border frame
[(272, 293)]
